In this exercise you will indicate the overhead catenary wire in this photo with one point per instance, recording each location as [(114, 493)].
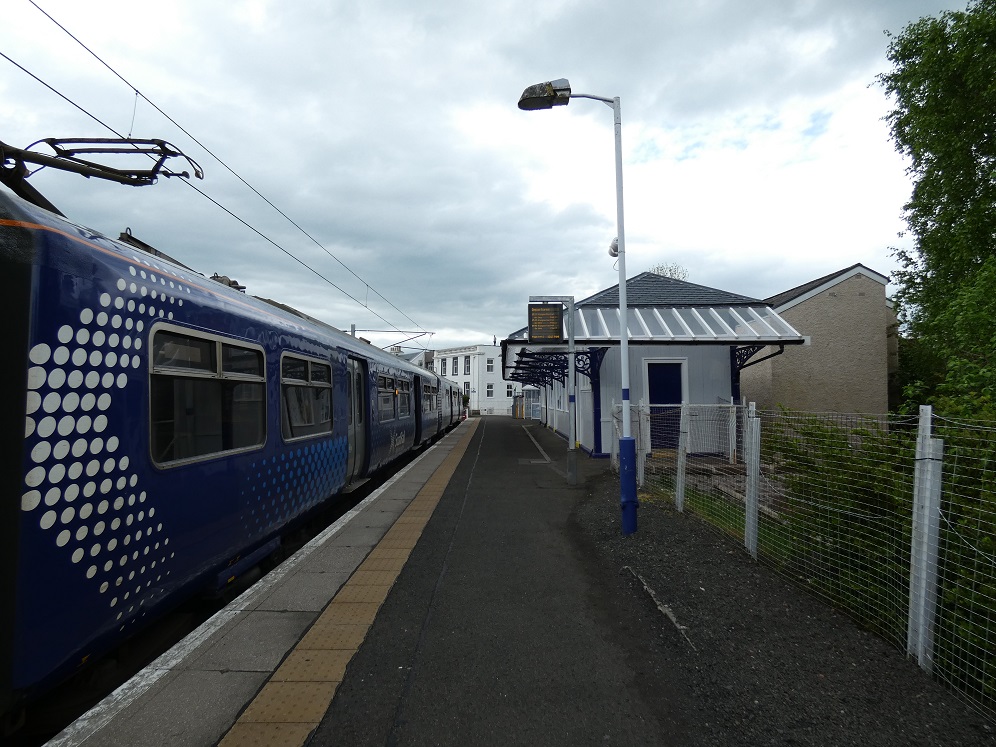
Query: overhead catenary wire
[(294, 223), (222, 162), (59, 94), (274, 243), (206, 196)]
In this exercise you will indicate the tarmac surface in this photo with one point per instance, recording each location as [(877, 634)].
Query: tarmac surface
[(496, 631), (521, 616)]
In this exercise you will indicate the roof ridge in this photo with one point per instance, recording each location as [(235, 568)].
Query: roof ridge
[(651, 289), (800, 290)]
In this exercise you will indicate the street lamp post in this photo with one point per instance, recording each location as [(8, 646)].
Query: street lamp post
[(558, 93)]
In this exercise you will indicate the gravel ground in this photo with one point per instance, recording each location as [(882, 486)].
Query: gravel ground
[(760, 661)]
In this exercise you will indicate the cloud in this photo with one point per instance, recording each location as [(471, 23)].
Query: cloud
[(754, 150)]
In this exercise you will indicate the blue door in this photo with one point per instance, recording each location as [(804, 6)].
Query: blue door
[(664, 393)]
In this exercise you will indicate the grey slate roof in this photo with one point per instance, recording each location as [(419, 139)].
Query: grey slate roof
[(651, 289)]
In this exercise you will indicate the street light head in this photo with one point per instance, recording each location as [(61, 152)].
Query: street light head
[(546, 95)]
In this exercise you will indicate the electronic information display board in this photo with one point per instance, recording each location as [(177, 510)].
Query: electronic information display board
[(546, 323)]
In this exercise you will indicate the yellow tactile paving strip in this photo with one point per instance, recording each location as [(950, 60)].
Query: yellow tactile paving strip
[(291, 705)]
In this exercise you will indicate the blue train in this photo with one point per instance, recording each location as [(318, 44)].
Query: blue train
[(164, 430)]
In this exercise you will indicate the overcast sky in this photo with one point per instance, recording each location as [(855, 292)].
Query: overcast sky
[(754, 150)]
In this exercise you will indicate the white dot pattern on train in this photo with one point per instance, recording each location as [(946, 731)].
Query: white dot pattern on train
[(285, 485), (80, 486)]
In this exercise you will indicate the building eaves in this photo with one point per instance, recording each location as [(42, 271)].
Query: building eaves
[(786, 297)]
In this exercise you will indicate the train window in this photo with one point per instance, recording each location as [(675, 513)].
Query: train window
[(404, 399), (385, 398), (199, 408), (306, 397), (321, 374), (428, 400), (172, 350), (294, 368), (244, 361)]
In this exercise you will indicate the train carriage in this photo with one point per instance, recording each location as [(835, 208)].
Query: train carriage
[(170, 429)]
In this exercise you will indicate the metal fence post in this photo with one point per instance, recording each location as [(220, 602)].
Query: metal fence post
[(752, 457), (614, 440), (679, 472), (924, 547), (732, 434), (643, 441)]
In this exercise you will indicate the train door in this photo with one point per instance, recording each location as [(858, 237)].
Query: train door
[(419, 412), (358, 418)]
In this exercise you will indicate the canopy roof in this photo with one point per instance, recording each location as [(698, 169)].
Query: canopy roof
[(661, 310), (756, 324), (665, 310)]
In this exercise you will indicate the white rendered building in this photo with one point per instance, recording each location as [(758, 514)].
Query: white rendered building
[(477, 369)]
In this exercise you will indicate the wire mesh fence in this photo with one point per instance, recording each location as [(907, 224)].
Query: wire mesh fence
[(840, 491), (965, 627), (891, 519)]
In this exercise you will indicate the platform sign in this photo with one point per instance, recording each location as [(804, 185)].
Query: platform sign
[(546, 323)]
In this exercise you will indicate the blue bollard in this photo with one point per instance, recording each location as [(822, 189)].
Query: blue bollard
[(627, 478)]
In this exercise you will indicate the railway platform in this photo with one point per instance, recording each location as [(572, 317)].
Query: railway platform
[(449, 607)]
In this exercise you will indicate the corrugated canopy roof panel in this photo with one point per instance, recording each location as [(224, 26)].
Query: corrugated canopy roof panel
[(738, 325)]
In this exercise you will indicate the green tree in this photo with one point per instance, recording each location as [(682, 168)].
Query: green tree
[(943, 87), (917, 377), (969, 322)]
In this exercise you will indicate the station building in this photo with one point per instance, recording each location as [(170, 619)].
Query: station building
[(687, 343)]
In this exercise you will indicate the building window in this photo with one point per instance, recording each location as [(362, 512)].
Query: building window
[(306, 397), (466, 388), (491, 365), (490, 390), (208, 396), (509, 390), (466, 365), (442, 367), (456, 364)]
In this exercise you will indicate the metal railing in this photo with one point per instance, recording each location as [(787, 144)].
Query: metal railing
[(891, 519)]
